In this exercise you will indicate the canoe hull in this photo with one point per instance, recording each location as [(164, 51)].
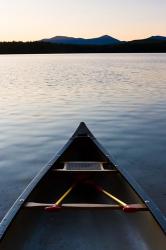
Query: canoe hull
[(31, 228), (84, 229)]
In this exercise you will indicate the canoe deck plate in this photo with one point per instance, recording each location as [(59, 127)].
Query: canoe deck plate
[(83, 166)]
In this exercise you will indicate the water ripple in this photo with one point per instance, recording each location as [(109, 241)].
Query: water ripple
[(122, 97)]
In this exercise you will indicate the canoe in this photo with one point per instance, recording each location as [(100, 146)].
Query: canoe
[(82, 200)]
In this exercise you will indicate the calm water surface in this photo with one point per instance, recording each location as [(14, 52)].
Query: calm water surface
[(122, 97)]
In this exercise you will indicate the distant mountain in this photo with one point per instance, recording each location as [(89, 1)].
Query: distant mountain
[(105, 44), (102, 40), (157, 38), (151, 39)]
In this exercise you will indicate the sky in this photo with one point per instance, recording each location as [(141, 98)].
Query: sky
[(123, 19)]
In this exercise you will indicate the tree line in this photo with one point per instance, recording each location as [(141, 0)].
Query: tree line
[(45, 47)]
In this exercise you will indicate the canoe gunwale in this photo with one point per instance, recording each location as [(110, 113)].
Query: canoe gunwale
[(153, 209), (10, 215)]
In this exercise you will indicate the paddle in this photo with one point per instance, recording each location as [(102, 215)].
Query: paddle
[(128, 208), (57, 203)]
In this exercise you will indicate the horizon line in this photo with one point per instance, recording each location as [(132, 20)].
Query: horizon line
[(148, 36)]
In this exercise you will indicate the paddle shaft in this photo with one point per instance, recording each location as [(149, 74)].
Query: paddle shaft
[(100, 189), (128, 208), (64, 195), (114, 198)]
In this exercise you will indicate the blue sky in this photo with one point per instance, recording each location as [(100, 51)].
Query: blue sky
[(123, 19)]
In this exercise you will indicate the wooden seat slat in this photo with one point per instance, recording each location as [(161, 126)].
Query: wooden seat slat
[(79, 205)]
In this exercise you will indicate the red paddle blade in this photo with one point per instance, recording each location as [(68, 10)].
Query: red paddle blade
[(134, 208), (52, 208)]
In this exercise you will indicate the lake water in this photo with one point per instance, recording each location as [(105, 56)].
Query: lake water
[(121, 97)]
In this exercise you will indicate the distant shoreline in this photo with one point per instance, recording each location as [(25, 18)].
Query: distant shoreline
[(38, 47)]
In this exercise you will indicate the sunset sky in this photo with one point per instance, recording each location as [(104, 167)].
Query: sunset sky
[(122, 19)]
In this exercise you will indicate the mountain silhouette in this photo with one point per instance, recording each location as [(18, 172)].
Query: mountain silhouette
[(102, 44), (157, 38), (102, 40)]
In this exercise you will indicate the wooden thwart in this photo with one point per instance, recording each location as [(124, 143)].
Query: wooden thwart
[(37, 205), (80, 170), (82, 205), (89, 205)]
